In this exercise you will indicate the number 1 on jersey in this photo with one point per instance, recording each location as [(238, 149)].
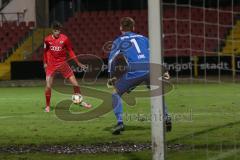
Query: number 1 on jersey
[(136, 45), (140, 55)]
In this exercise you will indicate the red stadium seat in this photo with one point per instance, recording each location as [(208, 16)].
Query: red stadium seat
[(183, 27), (169, 42), (197, 43), (183, 42), (211, 45), (183, 13), (31, 24), (170, 53), (211, 16), (223, 31), (91, 30), (225, 18), (169, 26), (168, 12), (185, 52), (10, 35), (196, 14), (211, 30), (197, 28), (22, 24)]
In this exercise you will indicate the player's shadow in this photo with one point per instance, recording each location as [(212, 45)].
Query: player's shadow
[(129, 128), (198, 133)]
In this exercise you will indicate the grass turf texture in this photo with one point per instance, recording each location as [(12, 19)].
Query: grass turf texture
[(205, 117), (144, 155)]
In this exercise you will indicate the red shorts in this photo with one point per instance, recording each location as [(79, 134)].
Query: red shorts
[(64, 69)]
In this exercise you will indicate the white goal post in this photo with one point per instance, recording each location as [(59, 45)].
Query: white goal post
[(155, 33)]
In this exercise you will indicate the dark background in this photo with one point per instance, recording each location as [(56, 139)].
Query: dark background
[(61, 10), (34, 69)]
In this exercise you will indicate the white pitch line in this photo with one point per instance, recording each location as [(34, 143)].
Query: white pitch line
[(22, 115), (2, 98), (5, 117)]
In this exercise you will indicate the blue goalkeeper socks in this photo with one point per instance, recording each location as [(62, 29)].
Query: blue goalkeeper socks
[(117, 107), (165, 109)]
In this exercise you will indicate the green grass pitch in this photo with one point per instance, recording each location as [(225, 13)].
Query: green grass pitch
[(206, 124)]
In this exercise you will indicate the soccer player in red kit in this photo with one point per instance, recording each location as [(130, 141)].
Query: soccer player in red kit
[(55, 60)]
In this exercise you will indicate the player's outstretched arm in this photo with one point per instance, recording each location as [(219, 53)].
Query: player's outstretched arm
[(73, 55)]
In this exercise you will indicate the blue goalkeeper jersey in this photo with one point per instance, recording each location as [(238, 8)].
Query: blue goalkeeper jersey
[(135, 49)]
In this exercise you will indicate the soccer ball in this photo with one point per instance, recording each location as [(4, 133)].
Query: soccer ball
[(77, 98)]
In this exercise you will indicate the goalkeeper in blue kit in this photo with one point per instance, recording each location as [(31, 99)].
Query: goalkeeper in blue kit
[(134, 50)]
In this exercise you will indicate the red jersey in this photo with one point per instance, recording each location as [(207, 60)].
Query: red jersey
[(55, 50)]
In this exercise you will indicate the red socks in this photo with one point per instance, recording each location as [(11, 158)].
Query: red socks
[(76, 89), (48, 96)]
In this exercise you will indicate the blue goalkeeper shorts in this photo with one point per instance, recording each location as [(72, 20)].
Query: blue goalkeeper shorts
[(126, 84)]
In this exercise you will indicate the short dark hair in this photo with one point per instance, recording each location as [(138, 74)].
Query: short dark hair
[(56, 25), (127, 24)]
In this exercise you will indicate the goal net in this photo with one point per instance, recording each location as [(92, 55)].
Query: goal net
[(202, 38)]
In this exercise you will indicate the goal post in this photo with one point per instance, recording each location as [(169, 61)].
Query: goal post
[(157, 111)]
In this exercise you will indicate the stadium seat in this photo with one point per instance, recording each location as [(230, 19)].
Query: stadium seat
[(22, 24), (210, 45), (183, 42), (236, 9), (11, 34), (197, 28), (183, 13), (168, 12), (31, 24), (185, 52), (211, 16), (225, 18), (97, 27), (169, 26), (196, 14), (197, 43), (169, 42), (171, 52), (211, 30), (183, 27), (223, 31)]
